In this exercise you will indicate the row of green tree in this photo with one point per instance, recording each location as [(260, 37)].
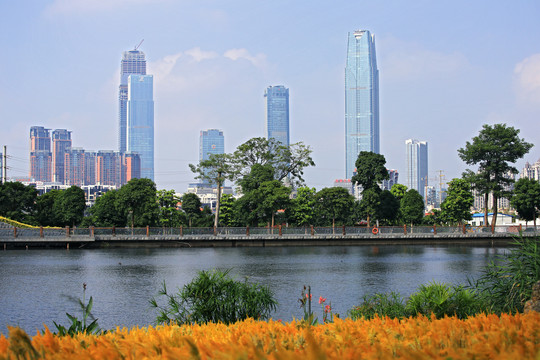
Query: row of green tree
[(266, 172)]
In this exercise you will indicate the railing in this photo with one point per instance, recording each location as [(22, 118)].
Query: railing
[(307, 231)]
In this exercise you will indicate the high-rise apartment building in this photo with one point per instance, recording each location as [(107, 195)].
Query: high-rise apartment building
[(40, 154), (361, 98), (133, 62), (90, 167), (131, 167), (393, 177), (61, 141), (417, 165), (74, 167), (108, 167), (140, 121), (277, 113)]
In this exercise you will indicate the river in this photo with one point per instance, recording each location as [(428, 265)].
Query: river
[(38, 287)]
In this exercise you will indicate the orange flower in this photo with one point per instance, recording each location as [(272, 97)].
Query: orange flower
[(321, 300)]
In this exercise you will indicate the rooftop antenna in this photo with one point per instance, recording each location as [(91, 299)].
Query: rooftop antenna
[(136, 47)]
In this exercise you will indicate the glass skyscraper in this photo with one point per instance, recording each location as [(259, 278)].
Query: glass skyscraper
[(211, 141), (133, 62), (417, 165), (361, 98), (140, 121), (277, 113)]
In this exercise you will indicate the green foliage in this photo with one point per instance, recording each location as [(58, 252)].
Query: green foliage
[(227, 216), (106, 211), (303, 208), (382, 304), (433, 298), (169, 215), (69, 206), (526, 199), (399, 191), (412, 207), (456, 208), (191, 205), (45, 214), (494, 150), (333, 205), (507, 281), (287, 161), (258, 175), (213, 296), (138, 203), (444, 300), (370, 204), (370, 170), (17, 201), (80, 326), (388, 210)]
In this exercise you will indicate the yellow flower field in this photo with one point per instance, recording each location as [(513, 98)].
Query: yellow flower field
[(480, 337)]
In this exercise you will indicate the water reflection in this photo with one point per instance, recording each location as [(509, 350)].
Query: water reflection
[(35, 285)]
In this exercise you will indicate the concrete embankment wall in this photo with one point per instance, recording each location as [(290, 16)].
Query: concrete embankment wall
[(156, 241)]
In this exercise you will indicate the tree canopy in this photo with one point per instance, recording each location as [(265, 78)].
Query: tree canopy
[(526, 199), (456, 208), (494, 150)]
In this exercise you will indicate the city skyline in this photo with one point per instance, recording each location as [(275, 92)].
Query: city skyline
[(361, 98), (439, 80)]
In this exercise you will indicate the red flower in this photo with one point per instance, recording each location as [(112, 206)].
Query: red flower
[(327, 308), (321, 300)]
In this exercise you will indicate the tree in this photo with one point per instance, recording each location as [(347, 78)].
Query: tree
[(169, 216), (370, 170), (398, 190), (526, 199), (370, 203), (412, 207), (138, 202), (303, 208), (106, 212), (456, 208), (333, 204), (191, 205), (215, 170), (227, 216), (254, 179), (287, 161), (493, 150), (69, 206), (389, 207), (274, 197), (17, 201), (45, 214)]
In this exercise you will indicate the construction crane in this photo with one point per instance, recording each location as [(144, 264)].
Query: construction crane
[(137, 46)]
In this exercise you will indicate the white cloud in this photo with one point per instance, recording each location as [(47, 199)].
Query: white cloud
[(62, 7), (403, 61), (258, 60), (527, 80), (199, 55)]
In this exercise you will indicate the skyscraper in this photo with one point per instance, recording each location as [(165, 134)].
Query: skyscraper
[(417, 165), (140, 121), (133, 62), (361, 98), (211, 141), (61, 141), (277, 113), (40, 154)]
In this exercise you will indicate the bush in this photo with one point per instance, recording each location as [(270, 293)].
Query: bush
[(390, 304), (433, 298), (507, 282), (213, 296)]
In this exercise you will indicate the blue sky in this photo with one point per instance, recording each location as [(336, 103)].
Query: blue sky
[(446, 68)]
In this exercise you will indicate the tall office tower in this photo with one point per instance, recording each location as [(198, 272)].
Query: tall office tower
[(40, 154), (74, 167), (211, 141), (361, 98), (417, 165), (89, 168), (277, 113), (108, 168), (131, 167), (140, 121), (61, 140), (133, 62)]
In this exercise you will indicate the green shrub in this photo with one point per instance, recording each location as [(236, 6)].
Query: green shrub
[(380, 304), (213, 296), (507, 282), (80, 326)]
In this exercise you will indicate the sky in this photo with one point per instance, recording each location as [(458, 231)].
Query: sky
[(445, 68)]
